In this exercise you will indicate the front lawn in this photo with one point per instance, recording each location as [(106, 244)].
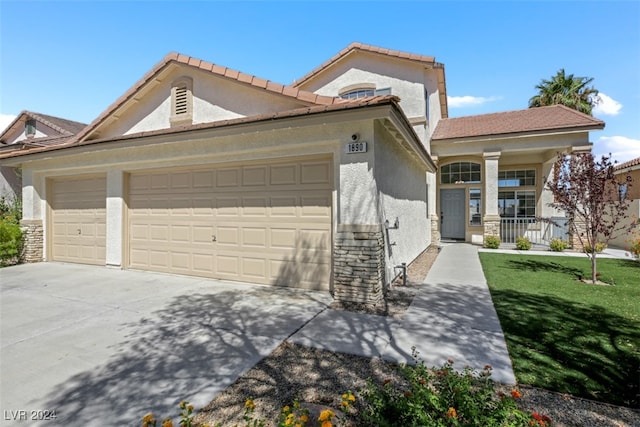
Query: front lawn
[(565, 335)]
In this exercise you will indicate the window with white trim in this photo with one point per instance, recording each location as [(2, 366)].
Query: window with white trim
[(460, 173), (517, 178), (475, 206), (182, 102), (517, 204)]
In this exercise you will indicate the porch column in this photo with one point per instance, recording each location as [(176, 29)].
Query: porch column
[(491, 218), (115, 218)]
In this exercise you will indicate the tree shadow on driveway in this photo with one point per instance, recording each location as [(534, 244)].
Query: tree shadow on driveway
[(191, 349)]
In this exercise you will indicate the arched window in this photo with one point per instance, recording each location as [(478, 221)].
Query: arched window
[(362, 90), (460, 173)]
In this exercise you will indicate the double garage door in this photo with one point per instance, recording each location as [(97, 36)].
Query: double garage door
[(262, 223)]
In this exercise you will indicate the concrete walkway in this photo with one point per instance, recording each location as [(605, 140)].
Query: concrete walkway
[(452, 317)]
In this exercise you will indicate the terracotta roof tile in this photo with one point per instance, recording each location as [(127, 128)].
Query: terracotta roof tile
[(245, 78), (556, 117), (222, 71), (218, 69), (628, 164)]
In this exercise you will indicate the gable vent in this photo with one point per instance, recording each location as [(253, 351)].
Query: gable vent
[(182, 106), (182, 101)]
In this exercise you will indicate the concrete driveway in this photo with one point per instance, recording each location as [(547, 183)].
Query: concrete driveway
[(102, 347)]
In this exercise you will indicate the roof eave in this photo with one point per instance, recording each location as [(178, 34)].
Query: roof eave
[(523, 134)]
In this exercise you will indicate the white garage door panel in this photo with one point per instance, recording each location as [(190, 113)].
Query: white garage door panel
[(260, 223), (78, 220)]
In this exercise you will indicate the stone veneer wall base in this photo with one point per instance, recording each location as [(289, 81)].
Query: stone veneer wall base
[(33, 234), (491, 226), (435, 230), (358, 265)]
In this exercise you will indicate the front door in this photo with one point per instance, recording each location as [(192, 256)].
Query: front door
[(452, 213)]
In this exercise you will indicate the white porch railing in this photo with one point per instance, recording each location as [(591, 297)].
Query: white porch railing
[(538, 232)]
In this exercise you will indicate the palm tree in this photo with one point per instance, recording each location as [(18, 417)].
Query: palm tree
[(567, 90)]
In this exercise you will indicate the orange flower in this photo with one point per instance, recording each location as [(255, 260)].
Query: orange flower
[(516, 394), (451, 413), (326, 415)]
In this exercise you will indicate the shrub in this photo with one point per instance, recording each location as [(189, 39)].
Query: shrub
[(443, 397), (11, 209), (424, 397), (635, 248), (523, 243), (10, 242), (492, 242), (558, 245), (599, 248)]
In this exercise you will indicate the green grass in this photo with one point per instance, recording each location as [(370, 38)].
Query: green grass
[(565, 335)]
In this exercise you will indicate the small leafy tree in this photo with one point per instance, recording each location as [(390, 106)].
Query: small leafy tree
[(588, 191)]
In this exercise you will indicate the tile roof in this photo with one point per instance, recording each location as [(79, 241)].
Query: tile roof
[(631, 163), (63, 126), (228, 73), (429, 60), (556, 117), (313, 109)]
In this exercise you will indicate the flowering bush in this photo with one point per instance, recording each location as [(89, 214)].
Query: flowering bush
[(558, 245), (439, 397), (442, 397), (523, 243), (492, 242)]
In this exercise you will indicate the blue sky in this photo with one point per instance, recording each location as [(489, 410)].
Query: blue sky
[(73, 59)]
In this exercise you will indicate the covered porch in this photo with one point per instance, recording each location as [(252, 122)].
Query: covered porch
[(492, 171)]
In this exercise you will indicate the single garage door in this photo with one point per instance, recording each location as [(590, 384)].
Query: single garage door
[(78, 220), (262, 223)]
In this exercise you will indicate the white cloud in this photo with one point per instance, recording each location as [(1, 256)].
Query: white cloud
[(621, 148), (607, 106), (5, 120), (469, 101)]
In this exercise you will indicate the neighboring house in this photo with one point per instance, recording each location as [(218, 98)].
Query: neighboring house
[(30, 129), (329, 183), (631, 192)]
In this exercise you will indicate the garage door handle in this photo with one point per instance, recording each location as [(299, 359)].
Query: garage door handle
[(79, 231), (213, 238)]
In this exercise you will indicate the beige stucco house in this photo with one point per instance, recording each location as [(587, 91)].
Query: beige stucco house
[(330, 183)]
